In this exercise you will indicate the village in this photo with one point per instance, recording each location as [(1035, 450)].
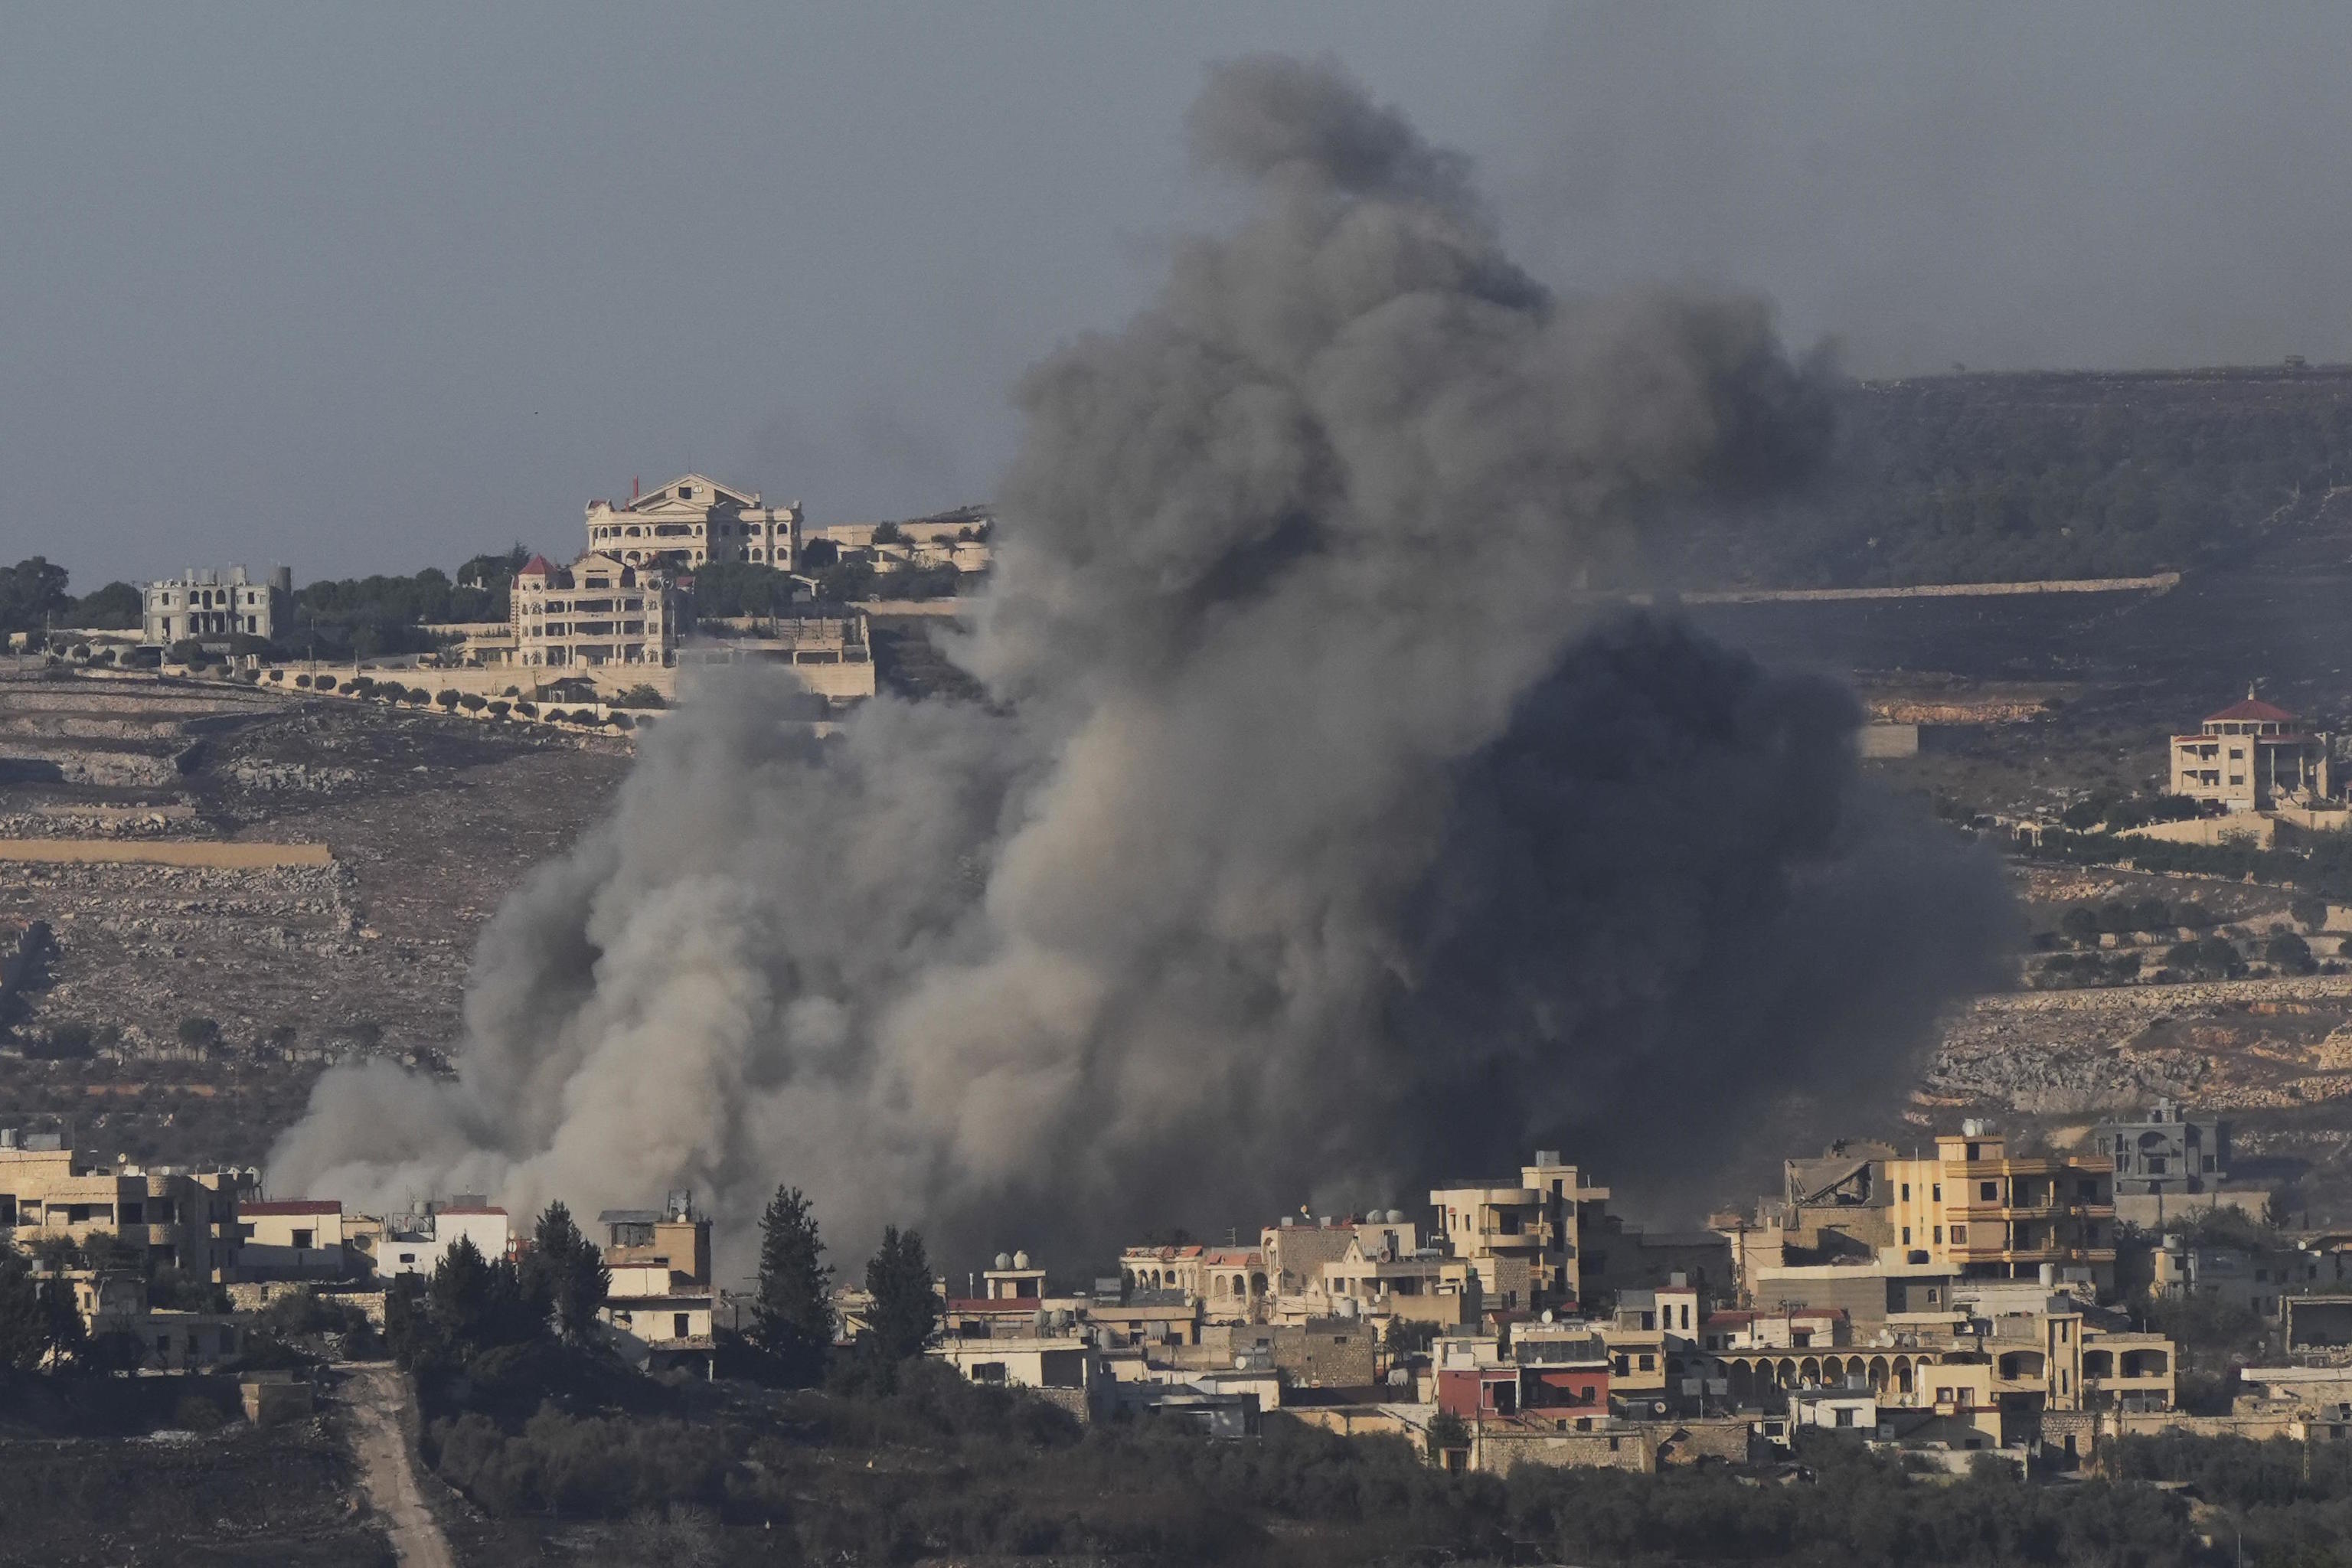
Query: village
[(1954, 1304)]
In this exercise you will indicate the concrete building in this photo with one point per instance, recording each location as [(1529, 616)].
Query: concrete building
[(829, 648), (694, 519), (416, 1243), (2251, 756), (2166, 1151), (600, 614), (1982, 1212), (660, 1312), (1424, 1286), (186, 1219), (290, 1238), (1061, 1366), (1525, 1237), (199, 606)]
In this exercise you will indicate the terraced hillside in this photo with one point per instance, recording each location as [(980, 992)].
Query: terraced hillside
[(192, 1003)]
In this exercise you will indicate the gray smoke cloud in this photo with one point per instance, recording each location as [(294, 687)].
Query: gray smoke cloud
[(1316, 837)]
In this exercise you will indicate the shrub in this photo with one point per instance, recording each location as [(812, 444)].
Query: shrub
[(471, 704), (303, 681), (325, 683), (446, 699), (498, 708)]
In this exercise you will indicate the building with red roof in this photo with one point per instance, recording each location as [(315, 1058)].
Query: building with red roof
[(2252, 756)]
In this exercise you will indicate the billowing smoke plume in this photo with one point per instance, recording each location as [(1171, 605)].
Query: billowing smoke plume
[(1315, 837)]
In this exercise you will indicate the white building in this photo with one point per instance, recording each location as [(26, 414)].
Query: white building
[(694, 519), (415, 1244), (197, 604)]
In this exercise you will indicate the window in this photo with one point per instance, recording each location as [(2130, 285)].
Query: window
[(1959, 1235), (1906, 1192), (1907, 1236), (408, 1258), (1989, 1191), (1939, 1235), (1935, 1193), (680, 1325), (1845, 1416), (302, 1239), (1649, 1363)]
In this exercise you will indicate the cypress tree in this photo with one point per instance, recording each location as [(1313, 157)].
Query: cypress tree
[(794, 1319)]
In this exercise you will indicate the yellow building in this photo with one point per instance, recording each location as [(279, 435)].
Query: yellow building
[(2251, 756), (1984, 1214)]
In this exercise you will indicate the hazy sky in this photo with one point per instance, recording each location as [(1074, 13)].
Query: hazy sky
[(366, 289)]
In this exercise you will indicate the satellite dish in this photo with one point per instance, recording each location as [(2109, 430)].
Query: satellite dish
[(1547, 1314), (1002, 1261), (1020, 1260)]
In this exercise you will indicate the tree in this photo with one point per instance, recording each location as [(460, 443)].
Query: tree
[(116, 607), (794, 1319), (1446, 1431), (199, 1034), (2309, 912), (472, 703), (567, 1270), (906, 1311), (2290, 953), (33, 592), (447, 697), (23, 1319)]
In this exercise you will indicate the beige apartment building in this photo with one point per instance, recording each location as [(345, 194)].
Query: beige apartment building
[(1982, 1214), (185, 1218), (1525, 1238), (694, 519), (598, 613), (2251, 756)]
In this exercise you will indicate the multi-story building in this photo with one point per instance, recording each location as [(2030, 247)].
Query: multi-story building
[(2166, 1151), (2251, 756), (186, 1219), (1422, 1285), (1983, 1214), (198, 606), (1524, 1238), (691, 519), (661, 1303), (600, 613)]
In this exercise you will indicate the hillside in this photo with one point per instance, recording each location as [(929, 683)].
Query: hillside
[(1988, 477)]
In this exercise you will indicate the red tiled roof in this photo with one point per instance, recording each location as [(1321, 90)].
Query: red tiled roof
[(536, 566), (2253, 708), (291, 1205)]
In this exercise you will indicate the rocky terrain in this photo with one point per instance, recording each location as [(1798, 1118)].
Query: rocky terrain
[(196, 1001)]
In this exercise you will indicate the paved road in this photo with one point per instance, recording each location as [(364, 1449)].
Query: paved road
[(376, 1395)]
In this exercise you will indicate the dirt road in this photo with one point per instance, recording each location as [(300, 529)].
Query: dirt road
[(376, 1395)]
